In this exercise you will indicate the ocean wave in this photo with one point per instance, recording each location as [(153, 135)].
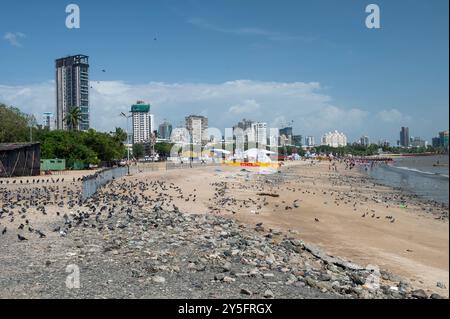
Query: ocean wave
[(419, 171)]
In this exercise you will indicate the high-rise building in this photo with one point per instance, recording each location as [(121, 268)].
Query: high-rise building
[(404, 137), (48, 120), (285, 135), (418, 142), (384, 143), (165, 130), (152, 125), (334, 139), (197, 127), (244, 124), (443, 138), (297, 140), (436, 142), (286, 131), (260, 133), (142, 122), (364, 141), (310, 141), (72, 90), (243, 133)]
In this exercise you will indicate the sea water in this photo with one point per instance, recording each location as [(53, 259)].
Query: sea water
[(426, 176)]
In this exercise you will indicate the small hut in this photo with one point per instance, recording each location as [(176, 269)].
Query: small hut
[(20, 159)]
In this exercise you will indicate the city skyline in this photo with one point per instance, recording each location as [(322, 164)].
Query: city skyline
[(286, 63)]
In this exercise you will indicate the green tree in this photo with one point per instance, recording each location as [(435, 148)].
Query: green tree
[(13, 125), (73, 118), (120, 135), (163, 149), (138, 150)]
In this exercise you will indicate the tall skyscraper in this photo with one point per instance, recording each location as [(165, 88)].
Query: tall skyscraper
[(242, 133), (260, 133), (72, 90), (443, 138), (165, 130), (142, 122), (364, 141), (286, 131), (418, 142), (48, 120), (197, 127), (297, 140), (404, 137), (310, 141)]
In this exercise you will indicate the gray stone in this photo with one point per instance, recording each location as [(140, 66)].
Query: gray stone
[(246, 292), (269, 294), (158, 279), (419, 294), (437, 296)]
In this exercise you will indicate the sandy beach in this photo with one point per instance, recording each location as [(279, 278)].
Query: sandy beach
[(341, 212), (415, 245)]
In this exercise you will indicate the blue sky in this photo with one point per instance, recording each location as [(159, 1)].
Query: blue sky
[(313, 62)]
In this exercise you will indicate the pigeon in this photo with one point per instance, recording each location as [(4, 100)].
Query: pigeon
[(41, 234), (21, 238)]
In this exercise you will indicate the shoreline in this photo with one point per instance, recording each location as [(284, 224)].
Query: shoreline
[(417, 197)]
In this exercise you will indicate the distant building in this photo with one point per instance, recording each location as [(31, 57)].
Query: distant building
[(244, 124), (142, 122), (260, 134), (165, 130), (418, 142), (287, 131), (247, 131), (297, 140), (364, 141), (285, 136), (197, 127), (436, 142), (443, 138), (48, 120), (152, 125), (273, 137), (242, 133), (383, 143), (310, 141), (72, 90), (404, 137), (180, 135), (334, 139)]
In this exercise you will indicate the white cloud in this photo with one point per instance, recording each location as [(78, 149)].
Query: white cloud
[(247, 31), (247, 106), (393, 116), (312, 111), (14, 38)]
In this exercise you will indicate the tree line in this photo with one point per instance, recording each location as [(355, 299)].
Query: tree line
[(90, 147)]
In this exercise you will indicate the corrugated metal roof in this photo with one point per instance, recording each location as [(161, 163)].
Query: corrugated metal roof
[(15, 146)]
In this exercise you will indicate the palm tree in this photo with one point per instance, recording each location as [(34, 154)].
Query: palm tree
[(73, 118)]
